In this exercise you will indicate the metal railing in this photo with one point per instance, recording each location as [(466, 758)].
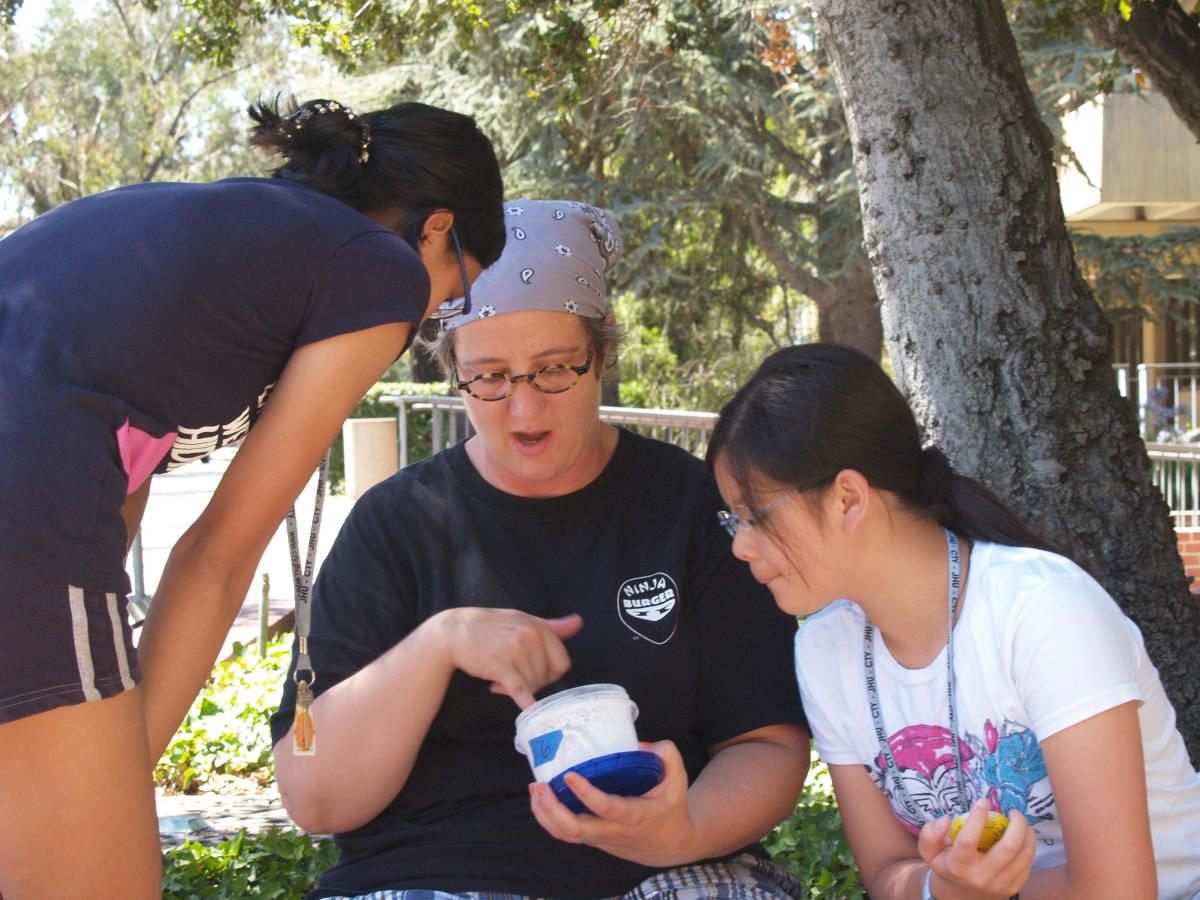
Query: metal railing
[(1175, 471), (1167, 396), (449, 424)]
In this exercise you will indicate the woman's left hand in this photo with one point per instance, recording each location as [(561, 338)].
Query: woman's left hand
[(655, 829)]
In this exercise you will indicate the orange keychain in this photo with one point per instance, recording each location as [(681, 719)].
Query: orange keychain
[(304, 732)]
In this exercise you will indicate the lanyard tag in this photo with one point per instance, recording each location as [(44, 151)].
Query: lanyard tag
[(304, 733)]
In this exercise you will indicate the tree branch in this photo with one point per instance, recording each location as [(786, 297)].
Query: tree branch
[(793, 275), (125, 22), (153, 168), (1164, 42)]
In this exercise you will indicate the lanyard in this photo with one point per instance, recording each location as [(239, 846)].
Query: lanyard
[(304, 737), (891, 770)]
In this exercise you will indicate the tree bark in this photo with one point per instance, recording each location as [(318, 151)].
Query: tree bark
[(849, 309), (992, 334), (1162, 40)]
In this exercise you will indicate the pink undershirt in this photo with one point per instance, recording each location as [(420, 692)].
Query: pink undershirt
[(141, 453)]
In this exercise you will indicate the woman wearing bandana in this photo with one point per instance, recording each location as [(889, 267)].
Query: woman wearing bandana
[(141, 329), (512, 566)]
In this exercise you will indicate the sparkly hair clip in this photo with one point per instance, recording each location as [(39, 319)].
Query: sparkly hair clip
[(319, 108)]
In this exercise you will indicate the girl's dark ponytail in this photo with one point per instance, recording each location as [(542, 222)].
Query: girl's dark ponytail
[(968, 508), (816, 409)]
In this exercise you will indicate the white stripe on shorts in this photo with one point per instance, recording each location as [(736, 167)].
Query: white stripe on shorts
[(83, 647), (119, 642)]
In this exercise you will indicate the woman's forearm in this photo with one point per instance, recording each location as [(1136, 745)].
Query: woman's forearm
[(369, 729), (747, 789), (194, 607)]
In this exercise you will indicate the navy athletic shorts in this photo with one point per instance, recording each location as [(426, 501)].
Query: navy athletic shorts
[(60, 644)]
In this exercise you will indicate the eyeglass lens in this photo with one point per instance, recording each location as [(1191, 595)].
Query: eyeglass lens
[(552, 379), (549, 380)]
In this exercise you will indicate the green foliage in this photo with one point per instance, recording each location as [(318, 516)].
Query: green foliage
[(1150, 275), (277, 863), (1063, 65), (372, 406), (1064, 17), (106, 96), (653, 376), (811, 844), (711, 131), (345, 31), (226, 732)]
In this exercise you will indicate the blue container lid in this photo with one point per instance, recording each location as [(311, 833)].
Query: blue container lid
[(628, 774)]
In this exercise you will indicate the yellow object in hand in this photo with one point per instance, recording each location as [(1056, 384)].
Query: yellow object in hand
[(993, 830)]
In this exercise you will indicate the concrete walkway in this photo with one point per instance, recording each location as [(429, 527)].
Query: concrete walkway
[(175, 501), (213, 818)]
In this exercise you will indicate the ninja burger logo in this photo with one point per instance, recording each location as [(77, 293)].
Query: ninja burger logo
[(649, 606)]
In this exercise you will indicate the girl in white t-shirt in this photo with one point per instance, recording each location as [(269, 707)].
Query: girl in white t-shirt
[(950, 661)]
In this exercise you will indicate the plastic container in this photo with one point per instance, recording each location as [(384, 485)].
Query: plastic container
[(588, 730)]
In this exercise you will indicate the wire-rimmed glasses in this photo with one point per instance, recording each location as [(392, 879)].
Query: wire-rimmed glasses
[(731, 521)]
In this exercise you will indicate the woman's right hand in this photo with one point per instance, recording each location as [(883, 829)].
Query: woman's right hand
[(961, 870), (518, 653)]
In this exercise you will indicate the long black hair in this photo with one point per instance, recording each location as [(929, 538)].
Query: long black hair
[(410, 157), (811, 411)]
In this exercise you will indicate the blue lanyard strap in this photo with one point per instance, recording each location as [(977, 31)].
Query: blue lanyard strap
[(891, 770)]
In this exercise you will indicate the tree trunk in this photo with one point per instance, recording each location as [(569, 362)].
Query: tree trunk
[(993, 335), (849, 310), (1164, 42)]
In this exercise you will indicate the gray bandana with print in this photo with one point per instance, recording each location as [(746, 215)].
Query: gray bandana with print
[(556, 258)]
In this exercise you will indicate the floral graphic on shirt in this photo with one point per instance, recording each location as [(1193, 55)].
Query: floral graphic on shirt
[(1012, 765), (1006, 766)]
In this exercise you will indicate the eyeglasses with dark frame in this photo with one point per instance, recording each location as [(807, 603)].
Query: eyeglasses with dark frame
[(458, 306), (731, 521), (493, 386)]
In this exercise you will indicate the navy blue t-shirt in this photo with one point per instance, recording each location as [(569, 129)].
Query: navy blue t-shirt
[(714, 664), (143, 328)]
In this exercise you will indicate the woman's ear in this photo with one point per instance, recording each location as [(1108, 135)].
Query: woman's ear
[(852, 499)]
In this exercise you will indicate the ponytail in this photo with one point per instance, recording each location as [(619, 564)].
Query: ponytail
[(969, 509), (324, 145)]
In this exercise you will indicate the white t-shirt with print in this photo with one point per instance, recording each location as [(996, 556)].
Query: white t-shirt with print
[(1038, 647)]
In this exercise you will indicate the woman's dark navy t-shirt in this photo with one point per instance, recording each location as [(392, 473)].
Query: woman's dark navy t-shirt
[(143, 328)]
